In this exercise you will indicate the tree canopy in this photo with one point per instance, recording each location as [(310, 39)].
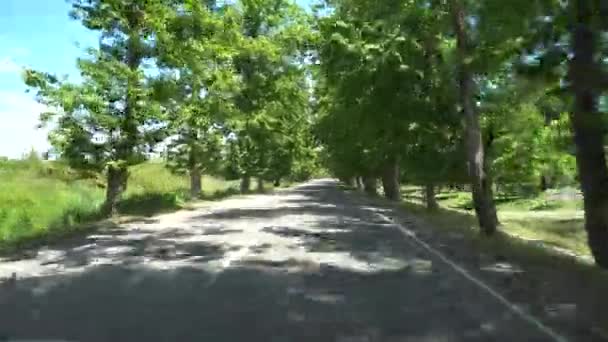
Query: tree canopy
[(493, 96)]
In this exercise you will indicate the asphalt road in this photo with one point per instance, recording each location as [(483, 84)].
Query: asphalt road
[(311, 263)]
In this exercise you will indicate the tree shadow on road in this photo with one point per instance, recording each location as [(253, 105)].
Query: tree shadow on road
[(255, 300), (342, 277)]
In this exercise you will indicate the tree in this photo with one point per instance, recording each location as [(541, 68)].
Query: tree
[(107, 121), (585, 75), (273, 100), (483, 198), (195, 48), (384, 88), (565, 49)]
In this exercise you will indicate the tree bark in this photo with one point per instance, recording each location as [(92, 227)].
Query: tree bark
[(351, 182), (115, 187), (260, 184), (117, 176), (544, 184), (390, 180), (431, 200), (195, 182), (359, 181), (588, 131), (370, 185), (245, 184), (483, 200)]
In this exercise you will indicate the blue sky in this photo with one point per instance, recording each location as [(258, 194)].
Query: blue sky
[(37, 34)]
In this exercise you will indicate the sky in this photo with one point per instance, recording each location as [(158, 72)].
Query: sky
[(36, 34)]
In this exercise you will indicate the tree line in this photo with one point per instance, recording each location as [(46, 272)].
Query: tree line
[(220, 87), (499, 96), (494, 96)]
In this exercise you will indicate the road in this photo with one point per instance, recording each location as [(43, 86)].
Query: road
[(312, 263)]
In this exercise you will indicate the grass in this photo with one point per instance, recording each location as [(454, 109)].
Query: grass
[(546, 278), (153, 189), (542, 219), (44, 200), (35, 201), (549, 275)]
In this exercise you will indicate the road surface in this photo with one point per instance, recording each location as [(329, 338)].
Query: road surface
[(311, 263)]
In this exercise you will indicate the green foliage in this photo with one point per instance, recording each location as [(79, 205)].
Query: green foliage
[(197, 45), (386, 88), (271, 129), (386, 91), (35, 203), (260, 88), (106, 121), (40, 202), (527, 137)]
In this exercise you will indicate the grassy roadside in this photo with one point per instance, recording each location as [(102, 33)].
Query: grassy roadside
[(545, 220), (41, 201), (154, 189), (564, 292)]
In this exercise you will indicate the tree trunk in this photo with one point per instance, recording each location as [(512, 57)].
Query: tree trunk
[(277, 182), (588, 131), (544, 185), (117, 175), (390, 180), (370, 185), (115, 187), (431, 200), (195, 182), (245, 184), (483, 200), (260, 184), (359, 181), (351, 182)]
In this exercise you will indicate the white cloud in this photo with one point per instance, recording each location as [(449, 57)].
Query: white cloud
[(8, 65), (19, 114)]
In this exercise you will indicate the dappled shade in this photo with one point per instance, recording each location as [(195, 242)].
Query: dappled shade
[(301, 265)]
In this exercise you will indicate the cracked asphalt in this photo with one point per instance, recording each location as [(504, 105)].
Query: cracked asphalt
[(312, 263)]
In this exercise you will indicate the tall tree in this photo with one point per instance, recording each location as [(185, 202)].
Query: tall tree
[(195, 46), (107, 121), (481, 186), (585, 75), (566, 49), (274, 93)]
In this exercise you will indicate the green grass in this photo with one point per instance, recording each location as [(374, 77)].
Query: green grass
[(36, 201), (153, 189), (548, 276), (47, 200), (543, 264), (540, 219)]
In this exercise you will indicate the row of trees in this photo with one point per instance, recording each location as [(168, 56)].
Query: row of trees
[(221, 85), (493, 94), (498, 95)]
